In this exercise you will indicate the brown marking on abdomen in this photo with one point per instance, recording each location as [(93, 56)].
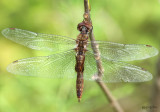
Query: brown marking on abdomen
[(79, 69), (79, 63), (79, 85)]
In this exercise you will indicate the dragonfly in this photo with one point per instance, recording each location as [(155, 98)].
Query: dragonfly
[(76, 55)]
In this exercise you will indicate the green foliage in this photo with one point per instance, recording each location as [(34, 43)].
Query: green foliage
[(123, 21)]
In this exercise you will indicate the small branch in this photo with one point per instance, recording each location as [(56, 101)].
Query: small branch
[(103, 86), (105, 89), (156, 91), (86, 6), (97, 54)]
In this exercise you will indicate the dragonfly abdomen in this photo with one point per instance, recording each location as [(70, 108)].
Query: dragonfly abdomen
[(79, 85), (79, 69)]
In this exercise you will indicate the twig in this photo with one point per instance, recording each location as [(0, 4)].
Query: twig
[(86, 6), (156, 91), (105, 89)]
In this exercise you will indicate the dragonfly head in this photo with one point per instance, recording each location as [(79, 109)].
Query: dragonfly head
[(85, 26)]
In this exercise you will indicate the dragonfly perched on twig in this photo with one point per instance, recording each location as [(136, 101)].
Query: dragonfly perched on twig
[(76, 55)]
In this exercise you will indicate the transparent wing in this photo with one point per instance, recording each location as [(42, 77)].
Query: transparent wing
[(39, 41), (114, 71), (60, 65), (125, 52)]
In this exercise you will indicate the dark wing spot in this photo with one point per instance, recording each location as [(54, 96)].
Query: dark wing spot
[(143, 69), (12, 28), (15, 61), (148, 45)]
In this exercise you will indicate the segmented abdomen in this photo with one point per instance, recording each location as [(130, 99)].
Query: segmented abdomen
[(79, 85), (79, 69)]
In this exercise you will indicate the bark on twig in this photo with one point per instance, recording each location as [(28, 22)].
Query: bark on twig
[(86, 6), (103, 86), (156, 91)]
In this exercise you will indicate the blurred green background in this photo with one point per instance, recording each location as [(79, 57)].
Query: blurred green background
[(122, 21)]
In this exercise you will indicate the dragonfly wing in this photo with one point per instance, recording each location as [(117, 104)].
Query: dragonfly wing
[(114, 71), (55, 66), (125, 52), (39, 41)]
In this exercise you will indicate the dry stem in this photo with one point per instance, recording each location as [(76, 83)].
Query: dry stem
[(103, 86), (156, 90)]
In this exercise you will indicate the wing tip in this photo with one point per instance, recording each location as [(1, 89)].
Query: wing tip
[(155, 50), (5, 32), (10, 66), (148, 76)]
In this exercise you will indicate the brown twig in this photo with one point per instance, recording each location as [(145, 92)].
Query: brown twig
[(105, 89), (156, 90), (86, 6)]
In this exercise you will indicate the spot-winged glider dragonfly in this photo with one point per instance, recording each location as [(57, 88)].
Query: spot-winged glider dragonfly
[(76, 55)]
